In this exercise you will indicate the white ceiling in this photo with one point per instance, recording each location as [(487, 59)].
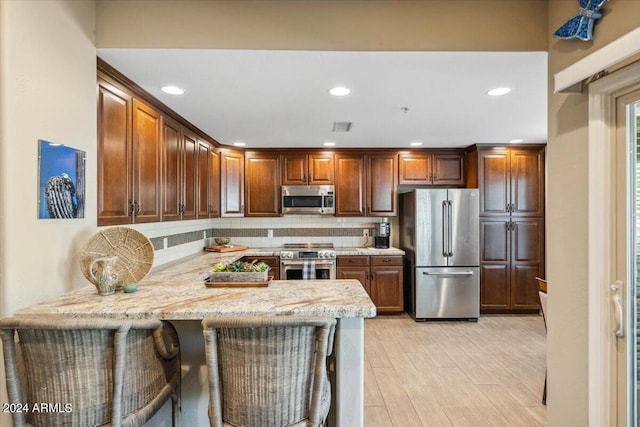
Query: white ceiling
[(281, 99)]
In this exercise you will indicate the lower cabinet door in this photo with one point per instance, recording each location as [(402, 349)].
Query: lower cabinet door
[(386, 289)]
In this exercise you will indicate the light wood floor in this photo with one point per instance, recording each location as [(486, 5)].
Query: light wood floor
[(439, 374)]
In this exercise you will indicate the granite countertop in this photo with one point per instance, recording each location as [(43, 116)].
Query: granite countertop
[(176, 291)]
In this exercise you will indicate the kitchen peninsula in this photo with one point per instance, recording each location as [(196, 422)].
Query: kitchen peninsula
[(176, 292)]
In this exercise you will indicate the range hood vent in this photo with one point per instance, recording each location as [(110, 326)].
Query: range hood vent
[(342, 126)]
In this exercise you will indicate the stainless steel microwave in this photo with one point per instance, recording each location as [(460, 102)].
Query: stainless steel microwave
[(308, 199)]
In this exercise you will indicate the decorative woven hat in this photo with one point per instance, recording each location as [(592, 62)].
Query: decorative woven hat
[(133, 249)]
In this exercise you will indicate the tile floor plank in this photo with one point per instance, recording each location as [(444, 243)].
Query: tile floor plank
[(454, 374)]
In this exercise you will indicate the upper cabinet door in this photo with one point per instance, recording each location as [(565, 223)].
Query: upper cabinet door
[(382, 197), (431, 169), (415, 169), (214, 183), (203, 182), (350, 185), (527, 183), (190, 175), (321, 169), (448, 169), (114, 156), (262, 184), (294, 169), (231, 183), (307, 169), (146, 162), (171, 170), (494, 182)]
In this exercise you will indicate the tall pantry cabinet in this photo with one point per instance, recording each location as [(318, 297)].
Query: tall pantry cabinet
[(511, 183)]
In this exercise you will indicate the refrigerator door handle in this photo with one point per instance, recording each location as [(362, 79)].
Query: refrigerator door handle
[(452, 273), (445, 229), (450, 228)]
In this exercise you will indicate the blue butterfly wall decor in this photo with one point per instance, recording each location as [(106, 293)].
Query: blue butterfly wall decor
[(581, 25)]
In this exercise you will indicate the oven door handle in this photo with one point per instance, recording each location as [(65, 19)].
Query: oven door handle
[(318, 263)]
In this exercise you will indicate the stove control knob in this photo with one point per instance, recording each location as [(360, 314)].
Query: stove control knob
[(331, 254), (286, 255)]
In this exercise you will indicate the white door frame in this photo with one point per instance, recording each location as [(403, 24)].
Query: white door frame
[(601, 141)]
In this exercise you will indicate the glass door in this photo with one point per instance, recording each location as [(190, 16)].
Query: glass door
[(633, 127), (625, 290)]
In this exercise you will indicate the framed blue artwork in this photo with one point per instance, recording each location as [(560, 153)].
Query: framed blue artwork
[(61, 181)]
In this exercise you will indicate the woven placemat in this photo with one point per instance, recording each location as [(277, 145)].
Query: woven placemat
[(133, 249)]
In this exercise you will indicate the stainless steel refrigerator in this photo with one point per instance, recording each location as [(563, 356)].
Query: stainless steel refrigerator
[(439, 234)]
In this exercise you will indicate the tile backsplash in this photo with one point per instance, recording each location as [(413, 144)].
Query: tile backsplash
[(174, 240)]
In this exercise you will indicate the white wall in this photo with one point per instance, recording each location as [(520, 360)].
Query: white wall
[(48, 87)]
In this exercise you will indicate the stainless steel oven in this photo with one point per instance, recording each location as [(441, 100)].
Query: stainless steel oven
[(321, 258)]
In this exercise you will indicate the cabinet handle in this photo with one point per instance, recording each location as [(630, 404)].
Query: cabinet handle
[(513, 207), (132, 210), (507, 224), (136, 208), (508, 208)]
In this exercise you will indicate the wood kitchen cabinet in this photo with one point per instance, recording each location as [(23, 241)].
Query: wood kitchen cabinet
[(511, 181), (511, 257), (129, 152), (381, 277), (179, 171), (114, 155), (208, 182), (387, 284), (231, 183), (146, 162), (152, 166), (350, 185), (262, 184), (511, 188), (307, 169), (421, 168), (366, 185), (382, 183)]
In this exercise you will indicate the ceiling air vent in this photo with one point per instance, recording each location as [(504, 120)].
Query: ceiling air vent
[(342, 126)]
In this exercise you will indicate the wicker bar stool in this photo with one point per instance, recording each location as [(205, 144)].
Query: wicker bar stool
[(268, 371), (90, 372)]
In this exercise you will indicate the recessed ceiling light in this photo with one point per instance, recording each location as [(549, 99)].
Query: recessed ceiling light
[(239, 144), (515, 141), (329, 144), (415, 144), (499, 91), (172, 90), (340, 91)]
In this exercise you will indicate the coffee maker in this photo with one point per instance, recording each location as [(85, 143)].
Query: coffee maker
[(382, 231)]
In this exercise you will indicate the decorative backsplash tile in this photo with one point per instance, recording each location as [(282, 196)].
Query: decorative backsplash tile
[(184, 238)]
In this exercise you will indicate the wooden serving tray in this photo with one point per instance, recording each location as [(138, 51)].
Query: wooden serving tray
[(232, 248), (238, 284)]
